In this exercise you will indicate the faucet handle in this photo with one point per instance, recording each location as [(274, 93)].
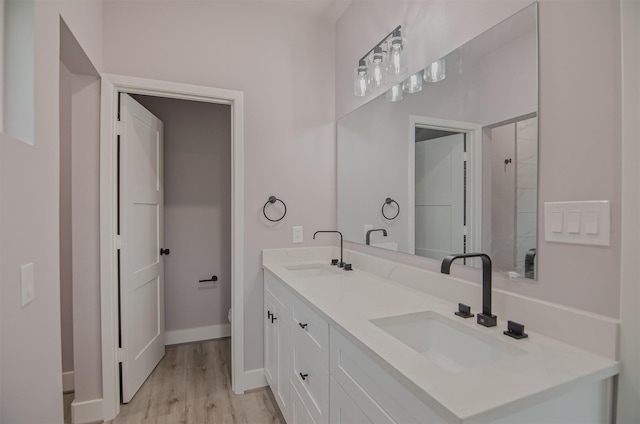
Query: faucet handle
[(464, 311), (515, 330), (334, 261), (487, 320), (347, 267)]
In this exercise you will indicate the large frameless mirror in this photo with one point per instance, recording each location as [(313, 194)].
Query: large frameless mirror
[(451, 167)]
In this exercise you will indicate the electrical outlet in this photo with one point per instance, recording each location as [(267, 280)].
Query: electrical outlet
[(298, 235)]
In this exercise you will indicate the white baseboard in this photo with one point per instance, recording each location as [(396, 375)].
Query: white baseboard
[(254, 379), (68, 381), (197, 334), (86, 412)]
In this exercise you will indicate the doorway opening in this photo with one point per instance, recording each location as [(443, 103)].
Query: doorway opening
[(445, 190), (162, 96), (511, 162), (79, 119), (180, 291)]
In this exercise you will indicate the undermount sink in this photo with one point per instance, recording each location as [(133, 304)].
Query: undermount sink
[(449, 344), (313, 270)]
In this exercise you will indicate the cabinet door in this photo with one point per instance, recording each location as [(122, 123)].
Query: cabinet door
[(343, 409), (270, 344), (276, 352)]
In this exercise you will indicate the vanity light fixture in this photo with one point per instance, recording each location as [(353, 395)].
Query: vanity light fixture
[(435, 72), (413, 84), (361, 79), (377, 67), (384, 56), (396, 64), (394, 94)]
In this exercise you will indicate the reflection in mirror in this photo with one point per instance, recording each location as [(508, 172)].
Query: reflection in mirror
[(459, 157)]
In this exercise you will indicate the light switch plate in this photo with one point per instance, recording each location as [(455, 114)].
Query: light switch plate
[(573, 222), (298, 235), (27, 283), (584, 222)]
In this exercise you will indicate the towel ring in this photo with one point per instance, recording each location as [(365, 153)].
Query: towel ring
[(273, 199), (389, 201)]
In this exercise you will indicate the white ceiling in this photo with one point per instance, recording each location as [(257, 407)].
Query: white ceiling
[(322, 9)]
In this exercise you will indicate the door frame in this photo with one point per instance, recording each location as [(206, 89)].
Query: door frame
[(112, 85), (474, 169)]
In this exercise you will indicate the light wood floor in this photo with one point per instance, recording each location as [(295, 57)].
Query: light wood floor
[(192, 384)]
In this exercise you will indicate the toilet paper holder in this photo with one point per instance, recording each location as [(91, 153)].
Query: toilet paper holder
[(213, 278)]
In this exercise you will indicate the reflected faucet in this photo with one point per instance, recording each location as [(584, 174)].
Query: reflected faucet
[(384, 233), (341, 263), (485, 318)]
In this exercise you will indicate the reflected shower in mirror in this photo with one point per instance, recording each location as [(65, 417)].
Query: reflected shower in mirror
[(459, 157)]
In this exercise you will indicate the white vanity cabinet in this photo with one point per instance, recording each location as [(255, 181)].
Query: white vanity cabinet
[(367, 386), (327, 361), (296, 346), (343, 409)]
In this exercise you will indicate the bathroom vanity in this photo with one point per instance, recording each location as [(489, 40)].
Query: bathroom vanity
[(382, 344)]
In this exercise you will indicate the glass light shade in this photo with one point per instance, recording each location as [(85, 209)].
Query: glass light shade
[(435, 72), (396, 65), (377, 68), (413, 84), (361, 80), (394, 94)]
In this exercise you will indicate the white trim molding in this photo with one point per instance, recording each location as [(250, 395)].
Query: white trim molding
[(189, 335), (112, 85), (628, 407), (254, 379), (68, 381), (86, 412)]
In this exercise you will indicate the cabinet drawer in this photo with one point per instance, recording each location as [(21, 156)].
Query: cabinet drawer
[(373, 389), (312, 328), (310, 376)]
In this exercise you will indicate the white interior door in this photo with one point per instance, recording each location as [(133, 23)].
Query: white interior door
[(141, 232), (439, 215)]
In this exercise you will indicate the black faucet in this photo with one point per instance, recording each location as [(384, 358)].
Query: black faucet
[(384, 233), (485, 318), (341, 263)]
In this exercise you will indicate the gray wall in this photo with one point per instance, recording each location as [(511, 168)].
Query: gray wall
[(30, 346), (85, 209), (66, 274), (197, 210)]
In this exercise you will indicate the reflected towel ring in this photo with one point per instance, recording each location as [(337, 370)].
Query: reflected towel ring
[(273, 199), (389, 201)]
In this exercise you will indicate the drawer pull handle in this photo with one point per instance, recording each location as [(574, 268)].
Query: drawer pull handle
[(303, 326), (304, 376), (269, 314), (273, 318)]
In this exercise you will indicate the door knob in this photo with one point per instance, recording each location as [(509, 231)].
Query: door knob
[(164, 251)]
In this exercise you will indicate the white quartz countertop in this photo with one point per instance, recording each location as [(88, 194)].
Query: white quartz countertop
[(348, 300)]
